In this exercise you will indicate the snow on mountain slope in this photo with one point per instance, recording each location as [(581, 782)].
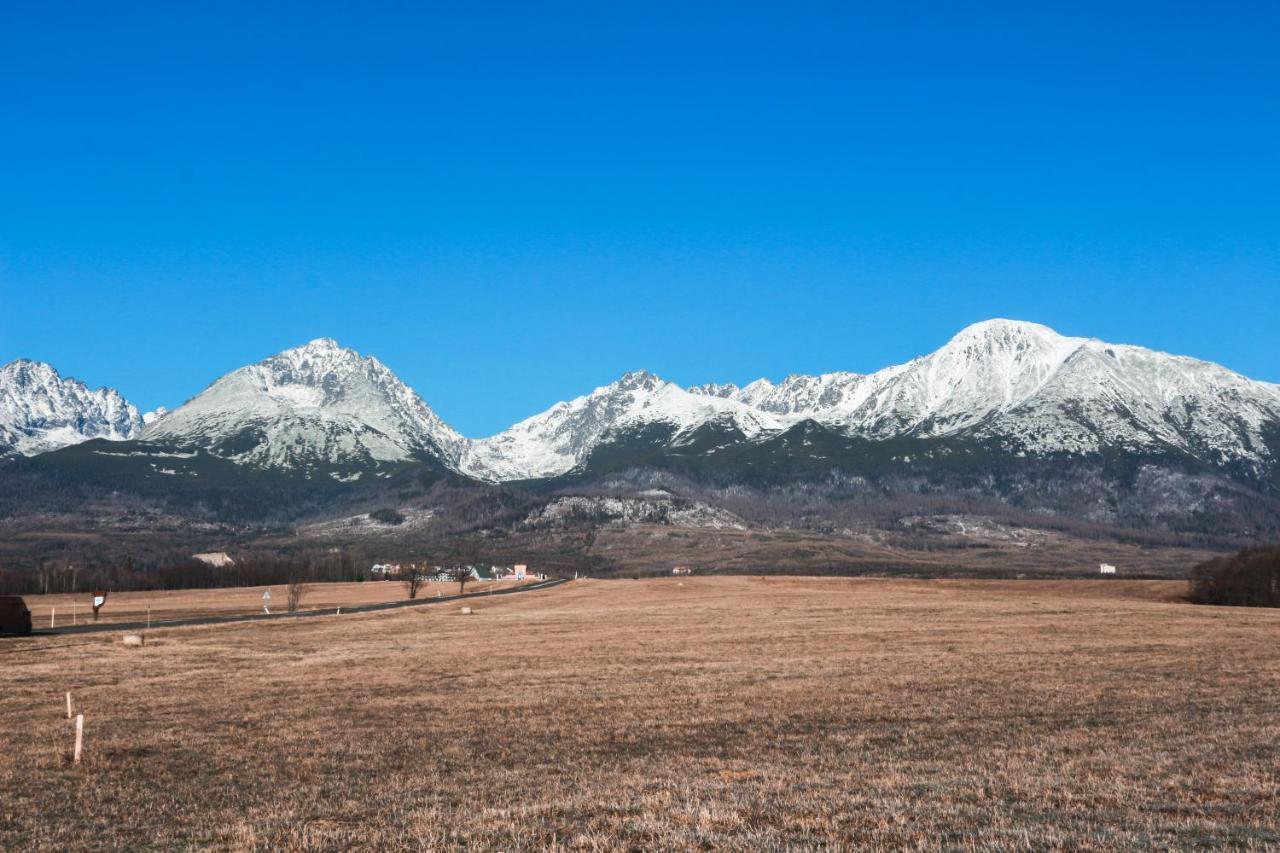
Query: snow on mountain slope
[(41, 411), (318, 404), (562, 437), (996, 379), (321, 405), (1009, 379), (1108, 395)]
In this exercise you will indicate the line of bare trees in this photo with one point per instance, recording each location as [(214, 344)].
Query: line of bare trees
[(182, 572), (1250, 578), (460, 560)]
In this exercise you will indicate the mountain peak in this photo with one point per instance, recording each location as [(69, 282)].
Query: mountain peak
[(321, 345), (639, 379), (40, 410), (322, 350), (1000, 329), (316, 405), (25, 368)]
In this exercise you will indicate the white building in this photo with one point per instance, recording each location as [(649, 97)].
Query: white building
[(1106, 569)]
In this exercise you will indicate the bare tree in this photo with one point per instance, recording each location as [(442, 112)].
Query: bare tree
[(459, 575), (297, 589), (412, 581), (464, 555)]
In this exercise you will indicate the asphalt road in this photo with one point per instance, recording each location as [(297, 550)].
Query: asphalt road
[(92, 628)]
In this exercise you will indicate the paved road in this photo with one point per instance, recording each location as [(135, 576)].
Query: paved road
[(101, 627)]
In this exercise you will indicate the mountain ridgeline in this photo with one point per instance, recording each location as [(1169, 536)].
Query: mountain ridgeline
[(1006, 412)]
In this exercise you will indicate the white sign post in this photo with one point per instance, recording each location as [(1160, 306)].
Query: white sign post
[(266, 602), (79, 735)]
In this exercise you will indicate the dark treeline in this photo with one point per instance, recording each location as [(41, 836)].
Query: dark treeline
[(187, 573), (1250, 578)]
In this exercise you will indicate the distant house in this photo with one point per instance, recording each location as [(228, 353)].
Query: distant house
[(217, 559), (682, 570), (518, 572), (1106, 569), (443, 575)]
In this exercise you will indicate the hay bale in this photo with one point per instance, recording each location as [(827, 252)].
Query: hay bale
[(466, 611), (133, 639)]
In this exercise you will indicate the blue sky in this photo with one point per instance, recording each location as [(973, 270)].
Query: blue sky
[(512, 205)]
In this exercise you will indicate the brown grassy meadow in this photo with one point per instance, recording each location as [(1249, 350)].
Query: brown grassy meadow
[(228, 601), (664, 714)]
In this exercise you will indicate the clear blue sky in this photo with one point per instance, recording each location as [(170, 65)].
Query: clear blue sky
[(510, 206)]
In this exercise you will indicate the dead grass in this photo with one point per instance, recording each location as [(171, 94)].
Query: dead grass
[(691, 714), (189, 603)]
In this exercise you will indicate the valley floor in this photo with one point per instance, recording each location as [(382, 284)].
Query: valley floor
[(58, 610), (661, 714)]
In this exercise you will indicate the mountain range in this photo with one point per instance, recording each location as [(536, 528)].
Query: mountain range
[(42, 411), (1008, 411), (1021, 383)]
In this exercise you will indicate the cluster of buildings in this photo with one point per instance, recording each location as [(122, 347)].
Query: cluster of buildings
[(438, 574)]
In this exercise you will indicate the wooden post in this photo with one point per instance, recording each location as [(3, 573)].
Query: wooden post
[(73, 611), (79, 735), (148, 617), (53, 611), (68, 704)]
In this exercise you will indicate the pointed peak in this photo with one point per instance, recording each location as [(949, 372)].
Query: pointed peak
[(321, 350), (321, 345), (27, 365), (637, 379), (714, 389)]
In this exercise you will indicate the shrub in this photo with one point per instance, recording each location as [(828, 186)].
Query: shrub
[(1250, 578), (387, 516)]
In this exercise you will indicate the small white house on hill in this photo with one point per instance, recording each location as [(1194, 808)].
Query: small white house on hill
[(1106, 569)]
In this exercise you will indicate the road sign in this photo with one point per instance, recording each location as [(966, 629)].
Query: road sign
[(99, 599)]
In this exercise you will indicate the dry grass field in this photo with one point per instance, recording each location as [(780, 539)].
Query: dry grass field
[(691, 714), (190, 603)]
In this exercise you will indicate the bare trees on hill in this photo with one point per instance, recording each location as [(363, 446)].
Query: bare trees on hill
[(1250, 578)]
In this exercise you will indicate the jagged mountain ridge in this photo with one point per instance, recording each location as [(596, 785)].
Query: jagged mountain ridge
[(1021, 385), (563, 437), (40, 410)]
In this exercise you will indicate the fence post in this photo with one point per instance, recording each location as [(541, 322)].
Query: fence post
[(79, 735)]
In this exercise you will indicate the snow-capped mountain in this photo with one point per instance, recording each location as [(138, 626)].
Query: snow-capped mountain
[(561, 438), (1021, 383), (1017, 386), (41, 410), (1043, 392), (318, 405)]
